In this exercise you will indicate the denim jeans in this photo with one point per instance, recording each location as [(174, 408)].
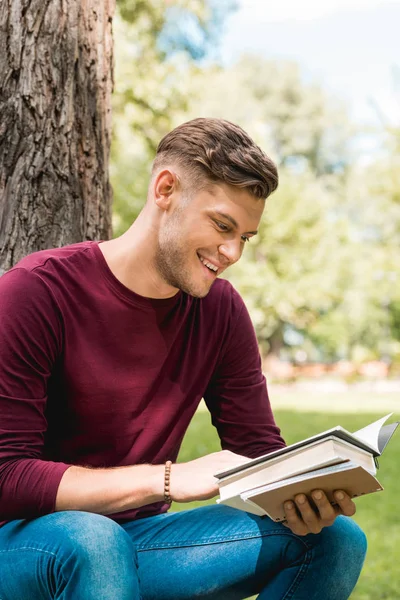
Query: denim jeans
[(213, 552)]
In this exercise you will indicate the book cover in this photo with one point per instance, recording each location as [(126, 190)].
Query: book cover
[(353, 479)]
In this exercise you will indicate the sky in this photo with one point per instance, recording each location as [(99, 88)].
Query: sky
[(352, 47)]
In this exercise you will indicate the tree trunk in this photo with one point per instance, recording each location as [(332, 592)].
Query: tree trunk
[(56, 80)]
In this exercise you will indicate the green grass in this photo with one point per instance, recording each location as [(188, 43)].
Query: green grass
[(377, 514)]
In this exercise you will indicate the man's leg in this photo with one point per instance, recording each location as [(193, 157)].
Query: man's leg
[(219, 553), (67, 555)]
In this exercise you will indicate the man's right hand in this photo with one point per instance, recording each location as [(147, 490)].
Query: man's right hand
[(195, 480)]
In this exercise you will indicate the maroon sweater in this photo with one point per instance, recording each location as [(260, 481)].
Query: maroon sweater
[(93, 374)]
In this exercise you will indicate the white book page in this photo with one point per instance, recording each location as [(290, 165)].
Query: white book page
[(370, 434)]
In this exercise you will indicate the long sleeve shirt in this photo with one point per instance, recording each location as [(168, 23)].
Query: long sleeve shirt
[(93, 374)]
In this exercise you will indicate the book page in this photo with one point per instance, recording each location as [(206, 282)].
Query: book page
[(370, 434), (385, 434)]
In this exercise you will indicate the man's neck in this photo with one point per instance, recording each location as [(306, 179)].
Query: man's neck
[(130, 258)]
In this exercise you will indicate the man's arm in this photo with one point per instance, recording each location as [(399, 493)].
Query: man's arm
[(237, 396), (30, 335), (107, 491)]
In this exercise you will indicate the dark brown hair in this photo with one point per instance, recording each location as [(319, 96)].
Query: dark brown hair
[(212, 150)]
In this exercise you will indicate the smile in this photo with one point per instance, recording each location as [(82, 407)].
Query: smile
[(208, 264)]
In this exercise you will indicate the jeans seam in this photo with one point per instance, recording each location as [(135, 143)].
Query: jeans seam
[(214, 540), (29, 548), (300, 575)]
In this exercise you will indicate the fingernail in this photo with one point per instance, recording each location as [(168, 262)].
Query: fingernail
[(289, 505), (301, 499), (339, 495), (317, 495)]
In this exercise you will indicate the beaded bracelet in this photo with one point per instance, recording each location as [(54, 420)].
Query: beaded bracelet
[(167, 477)]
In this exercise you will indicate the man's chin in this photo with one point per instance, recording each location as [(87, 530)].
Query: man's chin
[(199, 292)]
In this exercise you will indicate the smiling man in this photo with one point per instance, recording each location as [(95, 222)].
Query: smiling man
[(107, 349)]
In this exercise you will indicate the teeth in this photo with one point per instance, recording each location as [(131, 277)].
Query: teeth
[(208, 264)]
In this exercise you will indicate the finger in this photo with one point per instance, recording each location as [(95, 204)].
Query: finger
[(308, 514), (293, 520), (346, 504), (327, 512)]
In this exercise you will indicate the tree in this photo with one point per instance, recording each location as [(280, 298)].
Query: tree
[(56, 78)]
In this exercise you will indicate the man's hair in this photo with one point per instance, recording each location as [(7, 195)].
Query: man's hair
[(215, 150)]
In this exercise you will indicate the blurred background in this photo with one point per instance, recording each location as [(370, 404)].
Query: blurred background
[(317, 85)]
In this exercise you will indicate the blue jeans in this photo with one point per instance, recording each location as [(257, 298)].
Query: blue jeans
[(213, 552)]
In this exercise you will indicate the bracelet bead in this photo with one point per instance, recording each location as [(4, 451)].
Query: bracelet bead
[(167, 478)]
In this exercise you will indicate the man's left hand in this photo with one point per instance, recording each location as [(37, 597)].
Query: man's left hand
[(307, 519)]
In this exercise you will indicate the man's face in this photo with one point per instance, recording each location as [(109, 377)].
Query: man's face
[(200, 238)]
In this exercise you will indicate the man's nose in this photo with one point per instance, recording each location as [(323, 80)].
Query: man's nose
[(231, 250)]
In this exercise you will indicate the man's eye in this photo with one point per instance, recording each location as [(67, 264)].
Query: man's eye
[(245, 238), (222, 226)]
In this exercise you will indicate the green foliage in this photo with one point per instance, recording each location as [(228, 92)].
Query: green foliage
[(373, 210), (289, 273), (377, 514)]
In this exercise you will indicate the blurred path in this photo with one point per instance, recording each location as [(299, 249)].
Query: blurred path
[(380, 397), (324, 396)]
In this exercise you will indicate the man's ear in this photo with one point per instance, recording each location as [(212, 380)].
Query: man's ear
[(165, 184)]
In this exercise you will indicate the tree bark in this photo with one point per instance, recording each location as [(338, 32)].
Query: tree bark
[(56, 78)]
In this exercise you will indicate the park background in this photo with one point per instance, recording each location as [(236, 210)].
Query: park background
[(316, 84)]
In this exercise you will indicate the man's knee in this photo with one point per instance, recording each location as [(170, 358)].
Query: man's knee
[(347, 540), (88, 534), (342, 550), (96, 555)]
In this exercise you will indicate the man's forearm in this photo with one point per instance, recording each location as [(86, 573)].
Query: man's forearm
[(107, 491)]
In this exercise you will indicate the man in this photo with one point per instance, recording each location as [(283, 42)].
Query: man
[(106, 351)]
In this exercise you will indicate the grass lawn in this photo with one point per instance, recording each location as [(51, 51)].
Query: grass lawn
[(378, 514)]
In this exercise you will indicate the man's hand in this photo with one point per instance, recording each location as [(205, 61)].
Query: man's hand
[(195, 480), (307, 519)]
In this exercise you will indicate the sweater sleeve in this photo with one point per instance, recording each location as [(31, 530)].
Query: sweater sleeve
[(30, 344), (237, 396)]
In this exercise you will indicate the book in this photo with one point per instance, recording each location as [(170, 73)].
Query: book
[(316, 455), (348, 476), (331, 460)]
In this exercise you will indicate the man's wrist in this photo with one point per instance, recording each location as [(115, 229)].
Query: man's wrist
[(155, 483)]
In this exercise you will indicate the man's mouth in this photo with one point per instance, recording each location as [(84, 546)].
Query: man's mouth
[(209, 265)]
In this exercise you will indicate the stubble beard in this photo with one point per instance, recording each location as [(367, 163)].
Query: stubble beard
[(171, 264)]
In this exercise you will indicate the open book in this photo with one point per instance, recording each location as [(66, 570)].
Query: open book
[(331, 460)]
